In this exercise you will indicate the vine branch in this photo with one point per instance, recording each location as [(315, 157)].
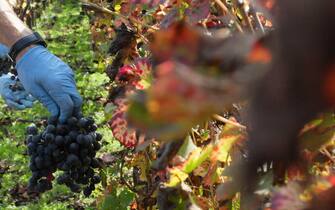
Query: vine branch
[(95, 7), (225, 120), (225, 10)]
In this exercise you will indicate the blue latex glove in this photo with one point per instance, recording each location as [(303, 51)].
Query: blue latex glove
[(51, 81), (19, 99), (3, 51)]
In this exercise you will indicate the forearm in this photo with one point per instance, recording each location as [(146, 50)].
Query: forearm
[(11, 27)]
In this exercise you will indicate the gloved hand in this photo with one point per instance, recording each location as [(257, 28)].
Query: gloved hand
[(51, 81), (3, 50), (18, 99)]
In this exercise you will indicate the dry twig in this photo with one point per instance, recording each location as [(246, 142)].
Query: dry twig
[(327, 153), (225, 120), (225, 10)]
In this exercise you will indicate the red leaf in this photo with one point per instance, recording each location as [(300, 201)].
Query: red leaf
[(119, 126)]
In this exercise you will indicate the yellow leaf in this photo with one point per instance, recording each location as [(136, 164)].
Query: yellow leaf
[(176, 177), (117, 8), (228, 137), (142, 163)]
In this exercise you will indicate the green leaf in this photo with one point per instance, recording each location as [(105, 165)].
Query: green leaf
[(118, 200), (318, 132), (197, 157), (187, 147), (176, 177), (228, 137), (180, 173)]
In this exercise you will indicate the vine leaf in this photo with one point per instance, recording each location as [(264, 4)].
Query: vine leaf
[(187, 147), (197, 11), (318, 132), (123, 47), (117, 200), (228, 137), (119, 125), (172, 16), (213, 175), (166, 116), (180, 173), (150, 3), (135, 76), (197, 158), (142, 163), (177, 176)]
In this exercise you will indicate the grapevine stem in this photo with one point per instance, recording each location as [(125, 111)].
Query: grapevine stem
[(225, 10), (24, 12), (326, 152), (122, 177), (225, 120), (245, 15), (257, 20), (222, 6)]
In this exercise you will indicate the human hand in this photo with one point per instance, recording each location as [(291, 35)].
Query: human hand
[(51, 81), (14, 94), (11, 90), (3, 50), (4, 60)]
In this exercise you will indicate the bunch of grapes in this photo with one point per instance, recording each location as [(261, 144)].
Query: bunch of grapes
[(69, 147)]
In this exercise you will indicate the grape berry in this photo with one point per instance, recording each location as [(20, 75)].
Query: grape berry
[(69, 147)]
